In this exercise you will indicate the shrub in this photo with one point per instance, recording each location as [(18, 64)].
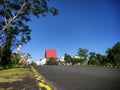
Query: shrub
[(52, 61)]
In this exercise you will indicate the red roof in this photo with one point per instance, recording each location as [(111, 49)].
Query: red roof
[(50, 54)]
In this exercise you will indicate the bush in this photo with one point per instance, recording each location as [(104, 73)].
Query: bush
[(52, 61), (93, 62)]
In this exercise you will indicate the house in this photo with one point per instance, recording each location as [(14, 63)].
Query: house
[(50, 54)]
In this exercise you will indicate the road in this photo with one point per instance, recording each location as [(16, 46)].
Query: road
[(81, 77)]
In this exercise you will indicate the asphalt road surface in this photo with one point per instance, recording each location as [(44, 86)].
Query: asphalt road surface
[(81, 77)]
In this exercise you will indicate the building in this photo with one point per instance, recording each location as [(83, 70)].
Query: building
[(51, 54), (42, 61), (62, 59), (48, 54)]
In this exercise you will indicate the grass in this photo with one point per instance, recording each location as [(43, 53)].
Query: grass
[(14, 75)]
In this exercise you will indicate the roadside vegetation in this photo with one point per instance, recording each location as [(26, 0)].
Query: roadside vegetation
[(52, 61), (111, 59), (17, 79), (14, 74)]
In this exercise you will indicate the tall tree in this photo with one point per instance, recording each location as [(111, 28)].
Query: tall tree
[(101, 59), (92, 56), (67, 58), (15, 11), (13, 16), (93, 59), (83, 53), (113, 54), (6, 53)]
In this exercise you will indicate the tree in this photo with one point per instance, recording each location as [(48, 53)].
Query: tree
[(67, 58), (113, 54), (83, 54), (6, 53), (5, 57), (13, 16), (15, 58), (99, 57), (92, 56), (14, 11), (74, 61), (92, 59)]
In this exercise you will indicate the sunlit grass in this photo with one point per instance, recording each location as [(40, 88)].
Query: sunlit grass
[(14, 74)]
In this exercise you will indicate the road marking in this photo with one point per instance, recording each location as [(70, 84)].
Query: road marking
[(42, 84), (45, 86)]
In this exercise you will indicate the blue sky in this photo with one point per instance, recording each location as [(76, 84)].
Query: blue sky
[(91, 24)]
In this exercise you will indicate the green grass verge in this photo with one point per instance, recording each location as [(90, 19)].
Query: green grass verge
[(14, 75)]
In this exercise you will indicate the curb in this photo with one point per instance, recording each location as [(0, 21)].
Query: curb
[(41, 83)]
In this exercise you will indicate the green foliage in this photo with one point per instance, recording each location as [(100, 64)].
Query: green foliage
[(111, 59), (113, 55), (15, 59), (74, 61), (13, 28), (67, 58), (93, 62), (92, 59), (52, 61), (16, 12), (92, 56), (101, 59), (83, 53)]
